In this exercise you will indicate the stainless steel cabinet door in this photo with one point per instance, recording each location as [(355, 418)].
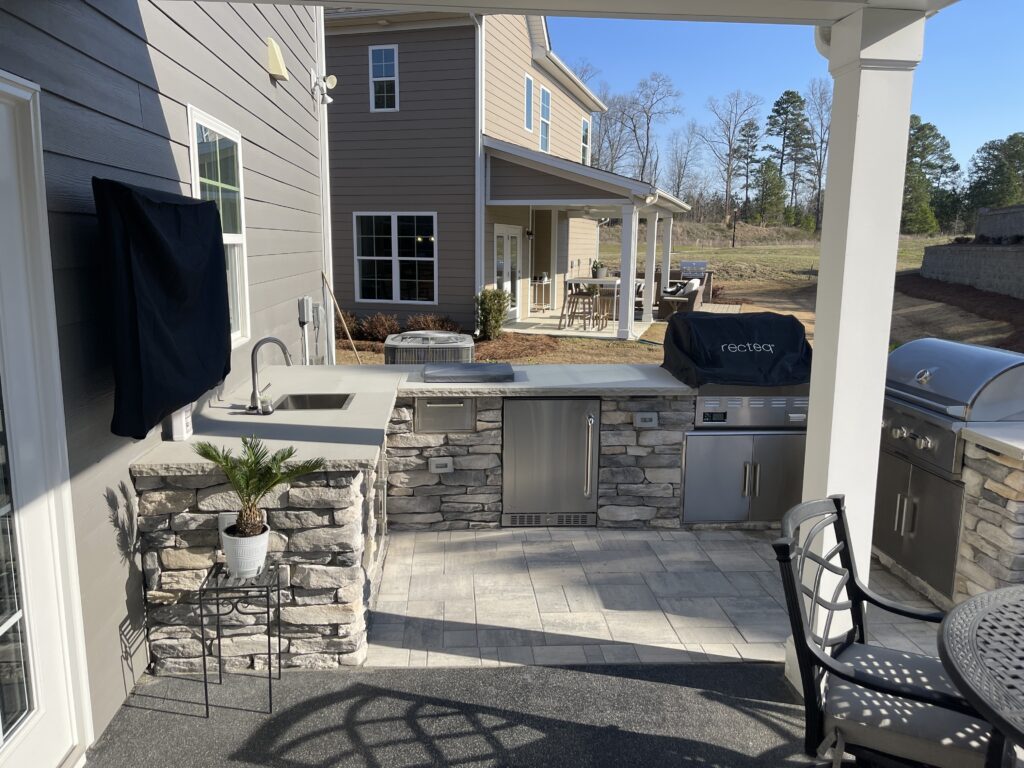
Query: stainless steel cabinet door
[(890, 499), (717, 478), (778, 474), (550, 456), (931, 529)]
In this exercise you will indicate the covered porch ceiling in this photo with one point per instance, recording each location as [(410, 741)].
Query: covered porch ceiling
[(811, 12)]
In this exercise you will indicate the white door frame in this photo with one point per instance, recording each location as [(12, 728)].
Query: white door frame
[(507, 231), (40, 472)]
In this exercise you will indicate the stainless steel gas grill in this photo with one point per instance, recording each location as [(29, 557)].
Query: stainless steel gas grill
[(744, 460), (934, 388)]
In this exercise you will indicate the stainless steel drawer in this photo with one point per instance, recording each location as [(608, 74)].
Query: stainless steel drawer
[(445, 414)]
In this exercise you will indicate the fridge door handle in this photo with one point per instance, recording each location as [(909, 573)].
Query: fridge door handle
[(903, 520), (746, 479), (757, 479), (588, 475), (896, 516)]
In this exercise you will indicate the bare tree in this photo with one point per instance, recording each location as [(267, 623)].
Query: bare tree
[(611, 143), (722, 136), (653, 100), (683, 158), (585, 69), (819, 114)]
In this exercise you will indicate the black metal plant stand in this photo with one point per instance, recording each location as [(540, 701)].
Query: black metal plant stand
[(250, 597)]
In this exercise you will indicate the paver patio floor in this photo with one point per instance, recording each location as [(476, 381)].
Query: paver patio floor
[(550, 596)]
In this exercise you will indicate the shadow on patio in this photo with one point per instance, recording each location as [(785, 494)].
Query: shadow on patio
[(707, 715)]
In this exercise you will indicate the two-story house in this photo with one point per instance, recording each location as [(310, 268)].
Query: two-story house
[(460, 150)]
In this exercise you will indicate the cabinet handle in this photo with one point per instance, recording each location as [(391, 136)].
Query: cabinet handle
[(446, 405), (746, 479), (912, 503), (903, 523), (588, 474), (757, 479), (896, 517)]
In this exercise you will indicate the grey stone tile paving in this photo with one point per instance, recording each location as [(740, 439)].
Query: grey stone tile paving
[(595, 596)]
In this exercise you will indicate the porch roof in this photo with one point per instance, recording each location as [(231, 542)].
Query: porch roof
[(546, 180)]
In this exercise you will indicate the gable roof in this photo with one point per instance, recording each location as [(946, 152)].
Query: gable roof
[(545, 58)]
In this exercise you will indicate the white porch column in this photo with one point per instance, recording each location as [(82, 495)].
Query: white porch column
[(666, 252), (628, 271), (652, 244), (872, 56)]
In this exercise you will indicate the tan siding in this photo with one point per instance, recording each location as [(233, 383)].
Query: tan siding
[(421, 158), (509, 181), (582, 246), (508, 59), (116, 77)]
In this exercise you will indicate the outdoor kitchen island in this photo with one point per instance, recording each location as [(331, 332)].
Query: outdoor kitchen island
[(329, 529)]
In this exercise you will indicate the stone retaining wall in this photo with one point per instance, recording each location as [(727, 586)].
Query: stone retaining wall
[(992, 534), (467, 497), (641, 468), (323, 540), (996, 268)]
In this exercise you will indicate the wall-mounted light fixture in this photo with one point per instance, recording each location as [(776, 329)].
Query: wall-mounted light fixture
[(275, 61), (529, 235), (319, 86)]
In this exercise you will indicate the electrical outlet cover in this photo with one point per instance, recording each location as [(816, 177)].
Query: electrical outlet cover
[(649, 420), (441, 465)]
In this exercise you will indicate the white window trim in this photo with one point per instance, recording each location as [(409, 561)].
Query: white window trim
[(586, 144), (528, 91), (395, 260), (540, 136), (372, 79), (197, 117)]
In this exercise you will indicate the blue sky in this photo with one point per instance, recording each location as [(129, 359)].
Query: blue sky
[(969, 84)]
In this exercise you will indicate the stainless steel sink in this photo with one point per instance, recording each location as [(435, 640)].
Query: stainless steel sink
[(313, 402)]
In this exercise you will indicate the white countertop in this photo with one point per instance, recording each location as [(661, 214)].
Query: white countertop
[(350, 438), (1005, 437)]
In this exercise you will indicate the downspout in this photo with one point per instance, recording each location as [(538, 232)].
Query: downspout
[(326, 301), (481, 180)]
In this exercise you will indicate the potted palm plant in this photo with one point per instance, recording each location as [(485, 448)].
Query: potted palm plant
[(253, 474), (598, 269)]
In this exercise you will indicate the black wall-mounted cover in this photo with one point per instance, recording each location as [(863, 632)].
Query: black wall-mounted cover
[(171, 333)]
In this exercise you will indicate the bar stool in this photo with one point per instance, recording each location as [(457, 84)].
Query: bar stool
[(572, 292)]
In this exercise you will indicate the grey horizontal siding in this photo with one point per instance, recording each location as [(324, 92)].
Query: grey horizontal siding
[(509, 181), (421, 158), (117, 76)]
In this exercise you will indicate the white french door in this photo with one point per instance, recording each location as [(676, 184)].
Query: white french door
[(43, 719), (508, 265)]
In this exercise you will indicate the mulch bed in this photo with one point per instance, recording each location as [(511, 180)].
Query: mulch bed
[(991, 306)]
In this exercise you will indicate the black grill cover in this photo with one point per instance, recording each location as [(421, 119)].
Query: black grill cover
[(171, 334), (756, 349)]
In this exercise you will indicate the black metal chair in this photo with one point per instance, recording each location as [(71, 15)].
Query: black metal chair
[(884, 707)]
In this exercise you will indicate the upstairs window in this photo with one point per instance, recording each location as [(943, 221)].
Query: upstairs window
[(396, 257), (528, 104), (216, 158), (585, 142), (383, 78), (545, 120)]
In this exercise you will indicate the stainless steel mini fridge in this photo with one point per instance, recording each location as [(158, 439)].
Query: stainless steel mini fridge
[(550, 461)]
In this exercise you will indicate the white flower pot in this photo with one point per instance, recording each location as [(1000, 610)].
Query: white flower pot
[(245, 555)]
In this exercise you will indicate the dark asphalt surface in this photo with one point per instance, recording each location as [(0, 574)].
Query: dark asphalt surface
[(731, 715)]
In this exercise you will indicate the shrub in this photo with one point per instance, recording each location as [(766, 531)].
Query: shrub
[(432, 322), (492, 306), (351, 321), (377, 327)]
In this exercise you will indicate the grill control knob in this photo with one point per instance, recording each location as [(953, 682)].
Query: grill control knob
[(899, 433), (923, 443)]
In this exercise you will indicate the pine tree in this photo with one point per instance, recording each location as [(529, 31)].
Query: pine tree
[(788, 123), (997, 174), (746, 156), (918, 217), (771, 193)]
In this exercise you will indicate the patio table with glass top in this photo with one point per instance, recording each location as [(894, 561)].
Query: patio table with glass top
[(981, 645), (614, 283)]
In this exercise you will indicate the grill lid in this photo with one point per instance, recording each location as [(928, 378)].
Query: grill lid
[(964, 381)]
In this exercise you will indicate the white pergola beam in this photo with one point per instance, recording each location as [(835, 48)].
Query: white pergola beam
[(627, 270), (649, 263), (872, 57)]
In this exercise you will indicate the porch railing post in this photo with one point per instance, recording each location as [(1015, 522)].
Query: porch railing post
[(652, 244), (627, 269)]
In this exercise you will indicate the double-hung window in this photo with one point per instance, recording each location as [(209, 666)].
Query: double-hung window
[(528, 103), (383, 78), (545, 119), (396, 257), (216, 156), (585, 142)]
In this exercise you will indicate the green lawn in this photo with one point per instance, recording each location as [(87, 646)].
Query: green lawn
[(794, 261)]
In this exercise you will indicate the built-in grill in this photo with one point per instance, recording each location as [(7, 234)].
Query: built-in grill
[(744, 459), (934, 388)]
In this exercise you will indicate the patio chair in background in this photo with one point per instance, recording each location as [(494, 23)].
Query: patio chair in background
[(687, 298), (886, 708)]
